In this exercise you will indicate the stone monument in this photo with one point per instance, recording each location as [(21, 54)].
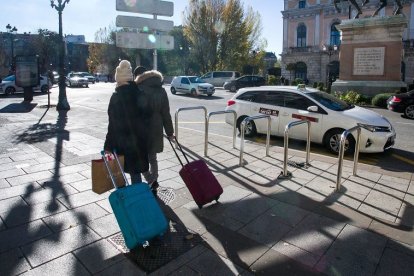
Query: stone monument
[(370, 55)]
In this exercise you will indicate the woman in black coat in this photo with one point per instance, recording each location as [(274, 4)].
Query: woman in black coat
[(128, 122)]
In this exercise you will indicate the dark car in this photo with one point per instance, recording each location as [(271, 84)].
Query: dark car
[(402, 103), (244, 81)]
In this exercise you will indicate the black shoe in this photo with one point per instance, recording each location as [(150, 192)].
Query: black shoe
[(154, 187)]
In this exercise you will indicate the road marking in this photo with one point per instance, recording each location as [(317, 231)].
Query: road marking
[(403, 123), (402, 158)]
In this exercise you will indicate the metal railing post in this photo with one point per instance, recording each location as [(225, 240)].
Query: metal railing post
[(285, 172), (191, 108), (242, 127), (342, 151), (208, 123)]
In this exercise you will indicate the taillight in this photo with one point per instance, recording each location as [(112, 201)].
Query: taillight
[(230, 102), (395, 99)]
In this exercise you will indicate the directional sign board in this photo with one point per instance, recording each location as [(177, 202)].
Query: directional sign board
[(144, 41), (141, 22), (157, 7)]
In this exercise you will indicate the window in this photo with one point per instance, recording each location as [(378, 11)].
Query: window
[(296, 101), (301, 36), (185, 81), (302, 4), (222, 74), (249, 96), (275, 98), (335, 35), (301, 71)]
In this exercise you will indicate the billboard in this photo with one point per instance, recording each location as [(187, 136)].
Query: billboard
[(144, 23), (144, 41)]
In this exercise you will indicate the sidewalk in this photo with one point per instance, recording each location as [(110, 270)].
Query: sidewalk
[(53, 224)]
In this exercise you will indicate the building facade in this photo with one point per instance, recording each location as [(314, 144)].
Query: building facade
[(312, 44)]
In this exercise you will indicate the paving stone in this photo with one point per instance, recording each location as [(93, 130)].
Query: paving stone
[(209, 263), (13, 262), (82, 185), (74, 217), (11, 173), (7, 204), (105, 205), (28, 178), (4, 184), (5, 160), (348, 198), (341, 213), (357, 185), (20, 157), (73, 169), (82, 198), (41, 167), (406, 215), (395, 263), (23, 234), (123, 268), (296, 253), (105, 226), (98, 256), (184, 270), (190, 220), (393, 231), (275, 263), (314, 234), (46, 194), (62, 243), (65, 265)]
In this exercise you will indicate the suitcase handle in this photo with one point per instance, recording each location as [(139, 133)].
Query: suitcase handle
[(110, 171), (181, 149)]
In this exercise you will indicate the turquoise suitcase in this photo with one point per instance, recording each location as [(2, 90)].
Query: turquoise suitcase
[(137, 212)]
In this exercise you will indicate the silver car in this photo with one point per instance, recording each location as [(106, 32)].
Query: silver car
[(76, 80)]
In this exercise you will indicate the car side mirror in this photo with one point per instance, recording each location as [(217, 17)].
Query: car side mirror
[(313, 108)]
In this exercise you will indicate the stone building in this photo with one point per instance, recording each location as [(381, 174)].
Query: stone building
[(312, 44)]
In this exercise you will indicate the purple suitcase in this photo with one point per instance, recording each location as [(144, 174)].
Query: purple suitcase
[(199, 180)]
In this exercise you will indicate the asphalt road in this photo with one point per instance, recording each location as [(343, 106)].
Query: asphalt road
[(399, 158)]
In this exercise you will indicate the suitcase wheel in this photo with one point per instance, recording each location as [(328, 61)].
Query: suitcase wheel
[(199, 206), (217, 198)]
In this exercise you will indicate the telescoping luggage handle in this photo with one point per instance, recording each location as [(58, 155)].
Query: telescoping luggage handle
[(110, 171), (181, 149)]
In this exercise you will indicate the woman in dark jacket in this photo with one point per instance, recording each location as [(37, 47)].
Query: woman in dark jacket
[(128, 122), (150, 82)]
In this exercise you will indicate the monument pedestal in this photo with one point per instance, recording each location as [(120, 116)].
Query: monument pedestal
[(371, 55)]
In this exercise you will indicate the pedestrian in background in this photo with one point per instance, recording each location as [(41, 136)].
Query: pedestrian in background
[(150, 82), (128, 123)]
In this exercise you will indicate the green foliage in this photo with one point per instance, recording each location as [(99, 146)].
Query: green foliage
[(286, 82), (298, 81), (294, 83), (321, 86), (315, 84), (380, 100), (351, 97), (272, 80)]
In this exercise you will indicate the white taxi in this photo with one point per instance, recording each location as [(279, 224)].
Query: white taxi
[(329, 117)]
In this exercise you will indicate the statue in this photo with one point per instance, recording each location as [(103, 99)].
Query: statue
[(354, 3), (383, 4)]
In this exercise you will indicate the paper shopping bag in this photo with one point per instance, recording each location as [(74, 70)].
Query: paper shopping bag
[(101, 181)]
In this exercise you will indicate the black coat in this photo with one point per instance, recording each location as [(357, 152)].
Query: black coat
[(151, 83), (127, 129)]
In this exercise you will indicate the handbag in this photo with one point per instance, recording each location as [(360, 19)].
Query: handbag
[(101, 180)]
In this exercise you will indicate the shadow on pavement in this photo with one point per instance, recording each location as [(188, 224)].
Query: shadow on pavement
[(23, 107)]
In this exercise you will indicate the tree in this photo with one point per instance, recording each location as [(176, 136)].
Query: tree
[(46, 45)]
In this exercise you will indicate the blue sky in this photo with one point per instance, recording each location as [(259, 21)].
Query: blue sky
[(87, 16)]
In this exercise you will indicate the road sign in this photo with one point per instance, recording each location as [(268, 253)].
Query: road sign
[(142, 23), (144, 41), (157, 7)]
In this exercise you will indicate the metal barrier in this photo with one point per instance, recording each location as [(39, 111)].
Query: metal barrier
[(242, 127), (341, 154), (285, 172), (190, 108), (208, 123)]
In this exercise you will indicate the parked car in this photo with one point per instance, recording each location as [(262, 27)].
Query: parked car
[(329, 117), (402, 103), (55, 77), (244, 81), (191, 85), (101, 77), (218, 78), (76, 79), (8, 85), (90, 77)]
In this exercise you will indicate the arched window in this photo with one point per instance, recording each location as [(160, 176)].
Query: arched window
[(301, 36), (302, 4), (335, 35), (301, 71)]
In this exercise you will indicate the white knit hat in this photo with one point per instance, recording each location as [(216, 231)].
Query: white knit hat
[(123, 72)]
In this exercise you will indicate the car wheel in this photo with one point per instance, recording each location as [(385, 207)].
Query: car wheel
[(249, 129), (233, 88), (87, 86), (409, 111), (173, 90), (332, 141), (209, 95), (10, 90), (43, 89), (193, 92)]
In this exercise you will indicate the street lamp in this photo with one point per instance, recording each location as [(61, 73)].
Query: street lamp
[(63, 103), (329, 50), (10, 31)]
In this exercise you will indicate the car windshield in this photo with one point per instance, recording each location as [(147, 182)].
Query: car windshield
[(76, 75), (196, 80), (9, 78), (329, 101)]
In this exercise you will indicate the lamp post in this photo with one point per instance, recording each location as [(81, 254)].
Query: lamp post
[(329, 50), (63, 103), (11, 30)]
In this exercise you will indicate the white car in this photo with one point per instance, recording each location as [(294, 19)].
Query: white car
[(329, 117), (76, 79), (191, 85), (8, 85)]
